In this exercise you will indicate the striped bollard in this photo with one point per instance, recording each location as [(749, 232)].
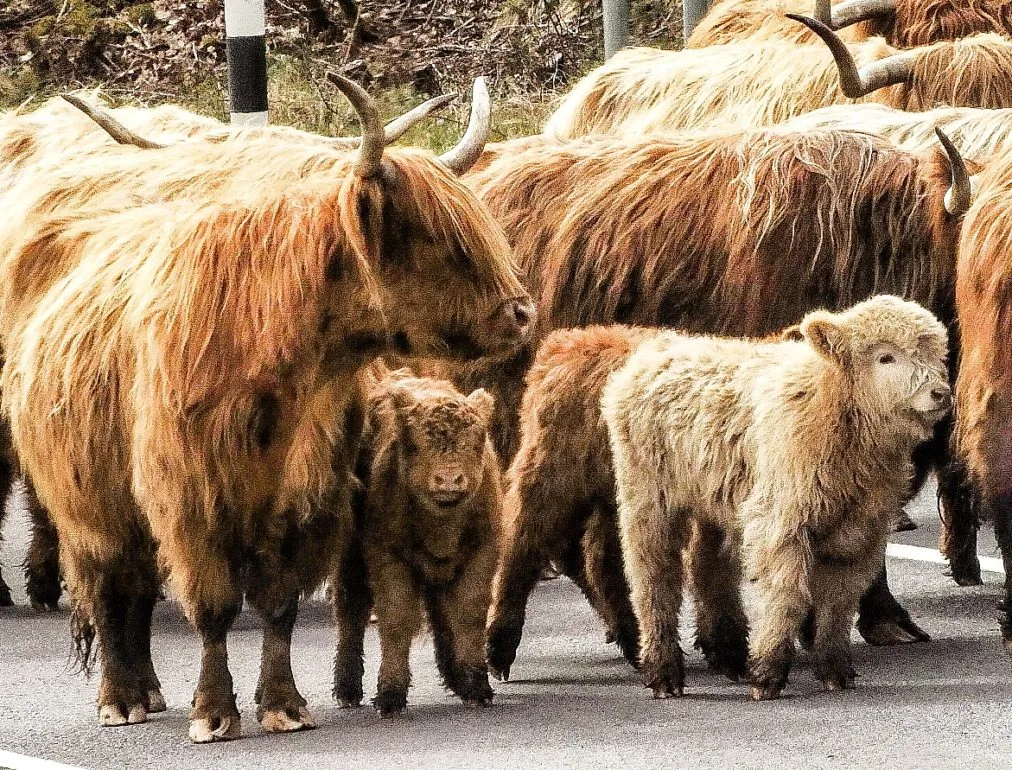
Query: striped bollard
[(247, 61)]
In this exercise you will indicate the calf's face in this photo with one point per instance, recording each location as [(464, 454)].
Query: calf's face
[(894, 353), (443, 442)]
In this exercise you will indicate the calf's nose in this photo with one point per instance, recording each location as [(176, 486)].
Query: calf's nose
[(448, 481), (943, 395)]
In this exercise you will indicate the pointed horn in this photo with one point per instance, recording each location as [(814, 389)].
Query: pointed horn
[(370, 153), (469, 148), (853, 82), (959, 196), (110, 125), (398, 127), (853, 11)]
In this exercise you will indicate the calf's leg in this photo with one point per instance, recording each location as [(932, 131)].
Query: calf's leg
[(42, 565), (881, 619), (352, 604), (398, 613)]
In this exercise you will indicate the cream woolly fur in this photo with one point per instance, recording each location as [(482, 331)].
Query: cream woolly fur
[(799, 450), (646, 90)]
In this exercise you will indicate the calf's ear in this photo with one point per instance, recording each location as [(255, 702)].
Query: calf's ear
[(791, 334), (827, 337), (482, 402)]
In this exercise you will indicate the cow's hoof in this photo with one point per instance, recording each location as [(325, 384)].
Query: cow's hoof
[(966, 575), (345, 703), (156, 702), (213, 729), (501, 650), (119, 714), (390, 703), (281, 720), (45, 606), (766, 692), (5, 596), (903, 523), (884, 632)]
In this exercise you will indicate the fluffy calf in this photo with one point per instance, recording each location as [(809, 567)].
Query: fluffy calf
[(427, 539), (747, 84), (798, 450)]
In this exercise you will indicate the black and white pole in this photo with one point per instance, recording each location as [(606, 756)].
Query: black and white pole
[(616, 26), (247, 61)]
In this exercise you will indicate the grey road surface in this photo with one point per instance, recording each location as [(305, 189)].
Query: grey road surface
[(574, 702)]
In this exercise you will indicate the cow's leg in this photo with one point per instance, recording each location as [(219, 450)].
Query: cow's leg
[(280, 706), (541, 520), (464, 609), (881, 619), (42, 565), (6, 483), (398, 612), (352, 604), (214, 716), (116, 612), (147, 585), (1002, 515), (958, 540), (721, 624)]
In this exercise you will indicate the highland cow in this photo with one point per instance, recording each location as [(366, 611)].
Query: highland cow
[(179, 369), (982, 440), (797, 452), (428, 540), (903, 23), (738, 234), (747, 85)]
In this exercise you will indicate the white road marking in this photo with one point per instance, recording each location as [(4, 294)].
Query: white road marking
[(917, 553), (11, 761)]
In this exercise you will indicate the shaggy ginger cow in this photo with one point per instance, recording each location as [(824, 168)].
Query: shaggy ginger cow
[(738, 233), (428, 540), (903, 23), (799, 451), (647, 90), (180, 375)]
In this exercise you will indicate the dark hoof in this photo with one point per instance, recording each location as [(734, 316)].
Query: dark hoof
[(836, 674), (628, 641), (389, 703), (766, 692), (665, 681), (473, 687), (726, 651), (43, 591), (5, 596), (501, 650), (887, 631), (965, 573), (903, 523)]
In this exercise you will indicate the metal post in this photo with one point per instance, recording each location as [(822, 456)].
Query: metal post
[(692, 12), (616, 26), (247, 61)]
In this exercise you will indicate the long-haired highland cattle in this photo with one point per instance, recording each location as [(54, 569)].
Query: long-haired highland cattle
[(799, 451), (982, 440), (178, 372), (427, 539), (903, 23), (750, 85), (739, 234)]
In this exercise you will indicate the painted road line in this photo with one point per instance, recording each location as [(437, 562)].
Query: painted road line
[(11, 761), (917, 553)]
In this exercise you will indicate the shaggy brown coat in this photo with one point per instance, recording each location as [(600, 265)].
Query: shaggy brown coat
[(912, 23), (982, 440), (178, 373), (427, 539), (732, 234), (646, 90), (797, 451)]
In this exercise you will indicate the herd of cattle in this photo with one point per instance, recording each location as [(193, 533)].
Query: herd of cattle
[(704, 327)]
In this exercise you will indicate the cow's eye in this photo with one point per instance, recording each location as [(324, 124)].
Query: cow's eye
[(887, 358)]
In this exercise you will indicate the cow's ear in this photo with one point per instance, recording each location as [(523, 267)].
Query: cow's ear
[(483, 403), (827, 336), (403, 398)]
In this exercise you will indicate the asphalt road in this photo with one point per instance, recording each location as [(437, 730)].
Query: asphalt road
[(573, 701)]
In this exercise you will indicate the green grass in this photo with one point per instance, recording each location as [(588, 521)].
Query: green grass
[(300, 96)]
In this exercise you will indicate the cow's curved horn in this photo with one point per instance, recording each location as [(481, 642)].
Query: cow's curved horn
[(370, 152), (959, 196), (824, 12), (398, 127), (110, 125), (467, 151), (854, 82), (853, 11)]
